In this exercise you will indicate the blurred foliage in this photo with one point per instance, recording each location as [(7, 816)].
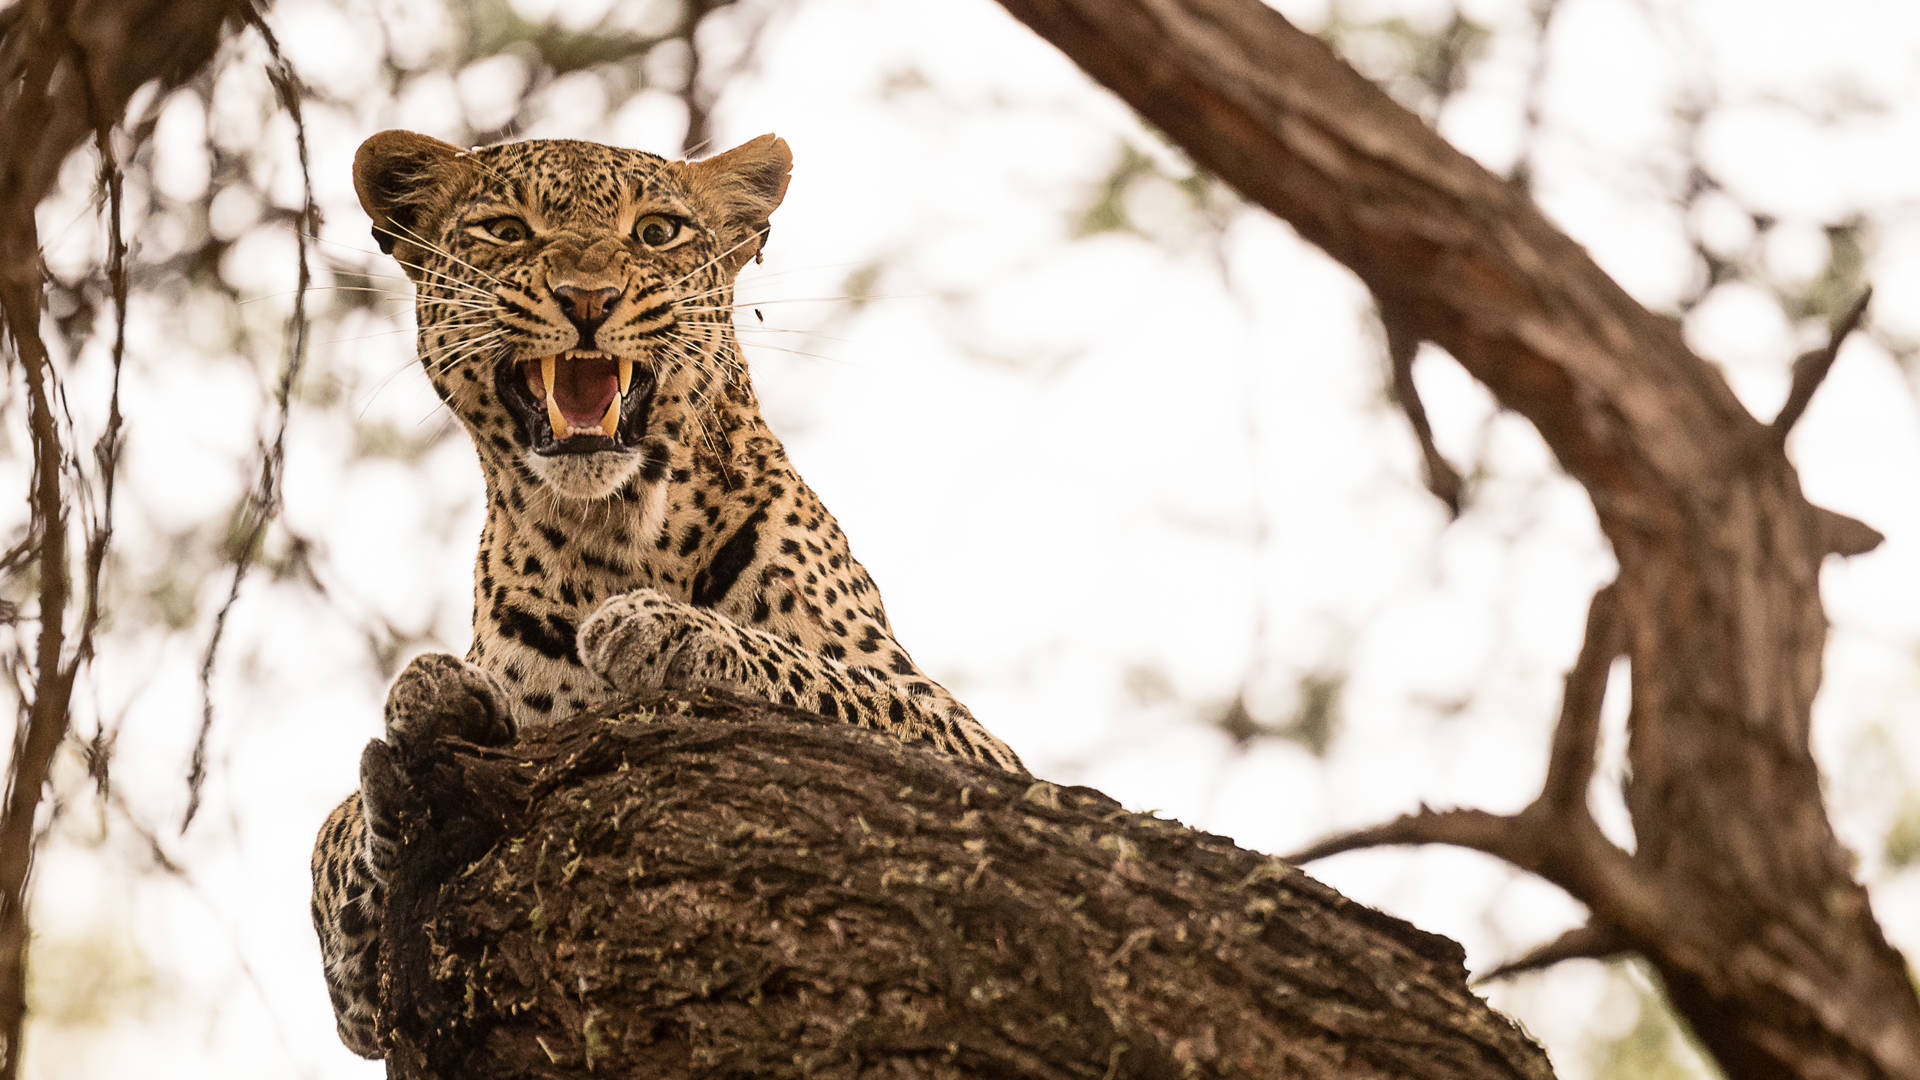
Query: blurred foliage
[(1142, 196), (629, 31), (1412, 60), (1654, 1047), (1902, 848), (1313, 722), (89, 980)]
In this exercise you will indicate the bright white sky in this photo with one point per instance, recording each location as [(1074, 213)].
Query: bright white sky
[(1098, 462)]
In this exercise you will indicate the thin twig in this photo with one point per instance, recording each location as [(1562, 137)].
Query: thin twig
[(1811, 369), (106, 451), (1402, 344), (98, 522), (1570, 766), (263, 502)]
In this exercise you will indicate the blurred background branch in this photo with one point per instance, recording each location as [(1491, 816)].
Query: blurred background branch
[(68, 70)]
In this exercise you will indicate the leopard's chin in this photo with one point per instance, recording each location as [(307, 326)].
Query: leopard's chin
[(585, 475)]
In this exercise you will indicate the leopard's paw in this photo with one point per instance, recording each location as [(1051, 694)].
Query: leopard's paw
[(440, 696), (642, 640), (382, 803)]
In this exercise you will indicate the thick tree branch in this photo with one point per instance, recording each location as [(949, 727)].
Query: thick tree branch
[(734, 889), (1738, 892), (43, 110)]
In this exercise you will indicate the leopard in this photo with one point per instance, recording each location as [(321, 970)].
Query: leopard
[(644, 527)]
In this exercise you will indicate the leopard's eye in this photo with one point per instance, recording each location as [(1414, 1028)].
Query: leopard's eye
[(658, 230), (505, 230)]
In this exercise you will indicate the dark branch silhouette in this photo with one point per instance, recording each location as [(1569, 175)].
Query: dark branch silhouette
[(67, 71)]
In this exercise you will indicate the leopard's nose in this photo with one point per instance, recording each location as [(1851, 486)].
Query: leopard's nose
[(586, 309)]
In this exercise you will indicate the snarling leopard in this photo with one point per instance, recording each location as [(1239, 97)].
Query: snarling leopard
[(644, 527)]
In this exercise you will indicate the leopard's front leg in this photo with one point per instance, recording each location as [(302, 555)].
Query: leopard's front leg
[(437, 696), (645, 639)]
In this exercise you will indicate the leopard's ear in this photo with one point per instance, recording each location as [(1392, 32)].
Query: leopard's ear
[(741, 188), (402, 179)]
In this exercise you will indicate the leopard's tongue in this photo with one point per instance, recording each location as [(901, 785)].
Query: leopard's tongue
[(581, 392)]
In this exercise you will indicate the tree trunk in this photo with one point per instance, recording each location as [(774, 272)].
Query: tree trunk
[(734, 889), (1737, 890)]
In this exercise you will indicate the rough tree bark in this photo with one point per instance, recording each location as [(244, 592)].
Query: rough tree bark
[(734, 889), (1737, 891)]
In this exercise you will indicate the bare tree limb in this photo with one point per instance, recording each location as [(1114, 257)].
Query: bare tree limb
[(1555, 837), (1738, 892), (1509, 837), (1572, 854), (1588, 942)]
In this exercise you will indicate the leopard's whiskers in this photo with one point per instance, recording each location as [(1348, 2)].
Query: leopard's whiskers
[(752, 329), (431, 360), (387, 294), (684, 357), (714, 261), (404, 330), (461, 350), (448, 281), (408, 234)]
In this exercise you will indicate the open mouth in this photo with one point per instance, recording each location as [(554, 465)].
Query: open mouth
[(581, 401)]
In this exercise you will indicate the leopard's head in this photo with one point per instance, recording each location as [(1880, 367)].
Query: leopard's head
[(574, 300)]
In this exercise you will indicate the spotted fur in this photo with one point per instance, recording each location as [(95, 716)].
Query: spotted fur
[(683, 550)]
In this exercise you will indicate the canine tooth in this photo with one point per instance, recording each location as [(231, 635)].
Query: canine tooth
[(626, 376), (555, 418), (610, 423)]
